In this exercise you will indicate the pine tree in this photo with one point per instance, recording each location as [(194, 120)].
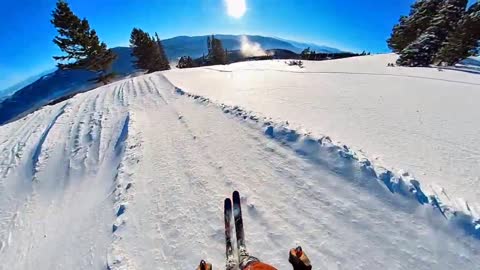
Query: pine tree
[(139, 42), (147, 52), (185, 62), (80, 43), (163, 55), (218, 55), (463, 41), (409, 28), (422, 51), (305, 54), (402, 35), (209, 45)]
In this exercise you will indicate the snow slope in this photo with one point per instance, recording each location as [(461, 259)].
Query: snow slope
[(421, 120), (26, 97), (133, 176)]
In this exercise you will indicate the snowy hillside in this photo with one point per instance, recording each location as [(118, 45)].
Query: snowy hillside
[(28, 96), (421, 120), (133, 175)]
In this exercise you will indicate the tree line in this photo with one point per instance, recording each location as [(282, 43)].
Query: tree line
[(216, 55), (149, 52), (308, 54), (83, 50), (439, 32)]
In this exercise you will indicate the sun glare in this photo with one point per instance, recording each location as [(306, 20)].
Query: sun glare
[(236, 8)]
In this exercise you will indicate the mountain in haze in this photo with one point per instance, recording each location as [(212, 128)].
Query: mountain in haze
[(57, 84), (197, 45), (313, 47), (50, 86), (12, 89)]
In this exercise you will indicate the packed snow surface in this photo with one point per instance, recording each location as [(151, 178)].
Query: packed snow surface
[(421, 120), (133, 176)]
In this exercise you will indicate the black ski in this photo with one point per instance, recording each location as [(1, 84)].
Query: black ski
[(230, 261), (237, 214)]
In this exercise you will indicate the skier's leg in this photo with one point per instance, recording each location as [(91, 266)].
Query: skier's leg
[(257, 265), (245, 260)]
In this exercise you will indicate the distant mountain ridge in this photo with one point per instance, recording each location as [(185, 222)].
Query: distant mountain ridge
[(195, 46), (55, 85), (313, 46), (12, 89)]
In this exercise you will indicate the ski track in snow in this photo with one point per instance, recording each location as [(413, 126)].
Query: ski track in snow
[(133, 176), (419, 119)]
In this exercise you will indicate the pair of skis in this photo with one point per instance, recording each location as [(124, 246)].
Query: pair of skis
[(242, 255)]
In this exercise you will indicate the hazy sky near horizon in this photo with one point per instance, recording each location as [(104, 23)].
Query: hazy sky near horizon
[(27, 48)]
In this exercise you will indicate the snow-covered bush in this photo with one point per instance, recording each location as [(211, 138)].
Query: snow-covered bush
[(295, 63)]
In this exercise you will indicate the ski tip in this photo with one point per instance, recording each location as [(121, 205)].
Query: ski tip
[(228, 202), (236, 194)]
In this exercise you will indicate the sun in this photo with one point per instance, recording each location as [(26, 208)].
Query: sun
[(236, 8)]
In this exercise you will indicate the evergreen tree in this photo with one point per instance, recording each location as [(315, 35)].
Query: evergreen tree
[(305, 54), (462, 42), (147, 52), (80, 43), (163, 55), (209, 45), (217, 53), (402, 34), (422, 51), (139, 42), (185, 62), (409, 28)]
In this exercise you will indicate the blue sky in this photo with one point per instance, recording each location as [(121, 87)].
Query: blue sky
[(27, 48)]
